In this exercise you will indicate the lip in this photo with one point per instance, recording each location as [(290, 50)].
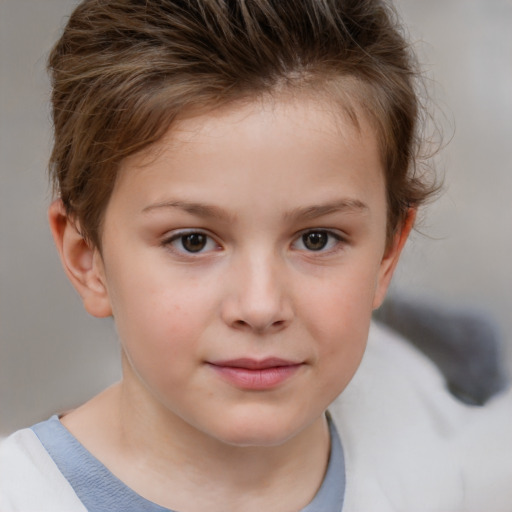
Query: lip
[(256, 374)]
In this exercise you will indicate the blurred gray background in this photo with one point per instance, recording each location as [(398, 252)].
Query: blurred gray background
[(52, 356)]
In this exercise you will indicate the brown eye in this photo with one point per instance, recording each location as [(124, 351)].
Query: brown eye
[(191, 243), (315, 240), (194, 242)]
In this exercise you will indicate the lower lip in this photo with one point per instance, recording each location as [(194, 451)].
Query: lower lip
[(262, 379)]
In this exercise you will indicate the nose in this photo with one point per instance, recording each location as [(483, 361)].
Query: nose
[(258, 299)]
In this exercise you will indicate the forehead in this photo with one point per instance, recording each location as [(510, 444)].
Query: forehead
[(301, 148), (323, 121)]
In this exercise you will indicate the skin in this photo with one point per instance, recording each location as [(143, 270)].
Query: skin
[(260, 181)]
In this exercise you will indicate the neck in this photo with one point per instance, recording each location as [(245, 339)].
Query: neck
[(199, 472), (168, 462)]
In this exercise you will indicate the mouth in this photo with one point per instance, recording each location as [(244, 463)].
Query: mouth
[(257, 375)]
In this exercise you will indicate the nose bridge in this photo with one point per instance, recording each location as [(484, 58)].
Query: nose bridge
[(259, 297), (261, 279)]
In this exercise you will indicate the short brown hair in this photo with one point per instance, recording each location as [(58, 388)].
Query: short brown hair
[(123, 70)]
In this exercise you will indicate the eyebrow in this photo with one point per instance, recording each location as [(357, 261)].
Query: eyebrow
[(198, 209), (306, 212), (342, 205)]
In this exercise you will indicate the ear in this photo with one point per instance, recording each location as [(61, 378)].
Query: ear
[(391, 257), (82, 262)]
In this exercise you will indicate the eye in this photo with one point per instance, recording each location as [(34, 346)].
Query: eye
[(191, 242), (317, 240)]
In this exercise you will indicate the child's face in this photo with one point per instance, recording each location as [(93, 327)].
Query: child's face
[(242, 260)]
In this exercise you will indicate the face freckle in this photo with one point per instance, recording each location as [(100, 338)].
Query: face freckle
[(249, 338)]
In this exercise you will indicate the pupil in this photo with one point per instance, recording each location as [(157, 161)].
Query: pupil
[(315, 241), (194, 242)]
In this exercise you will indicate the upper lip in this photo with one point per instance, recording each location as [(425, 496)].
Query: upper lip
[(255, 364)]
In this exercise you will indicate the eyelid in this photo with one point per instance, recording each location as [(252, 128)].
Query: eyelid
[(340, 238), (176, 235)]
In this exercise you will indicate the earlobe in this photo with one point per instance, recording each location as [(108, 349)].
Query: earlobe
[(391, 257), (82, 262)]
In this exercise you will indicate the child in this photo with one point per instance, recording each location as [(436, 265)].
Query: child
[(235, 184)]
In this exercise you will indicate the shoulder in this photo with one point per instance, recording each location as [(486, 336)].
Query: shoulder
[(404, 435), (29, 479)]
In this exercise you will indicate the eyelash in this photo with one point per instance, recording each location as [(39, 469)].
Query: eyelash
[(333, 242), (181, 237)]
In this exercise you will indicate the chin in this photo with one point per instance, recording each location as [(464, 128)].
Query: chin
[(258, 430), (244, 439)]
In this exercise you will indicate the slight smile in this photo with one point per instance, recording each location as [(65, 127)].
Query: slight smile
[(257, 375)]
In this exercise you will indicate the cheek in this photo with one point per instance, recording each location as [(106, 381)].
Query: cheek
[(341, 304), (160, 323), (337, 315)]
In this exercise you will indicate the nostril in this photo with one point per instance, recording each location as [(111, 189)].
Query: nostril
[(242, 324)]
